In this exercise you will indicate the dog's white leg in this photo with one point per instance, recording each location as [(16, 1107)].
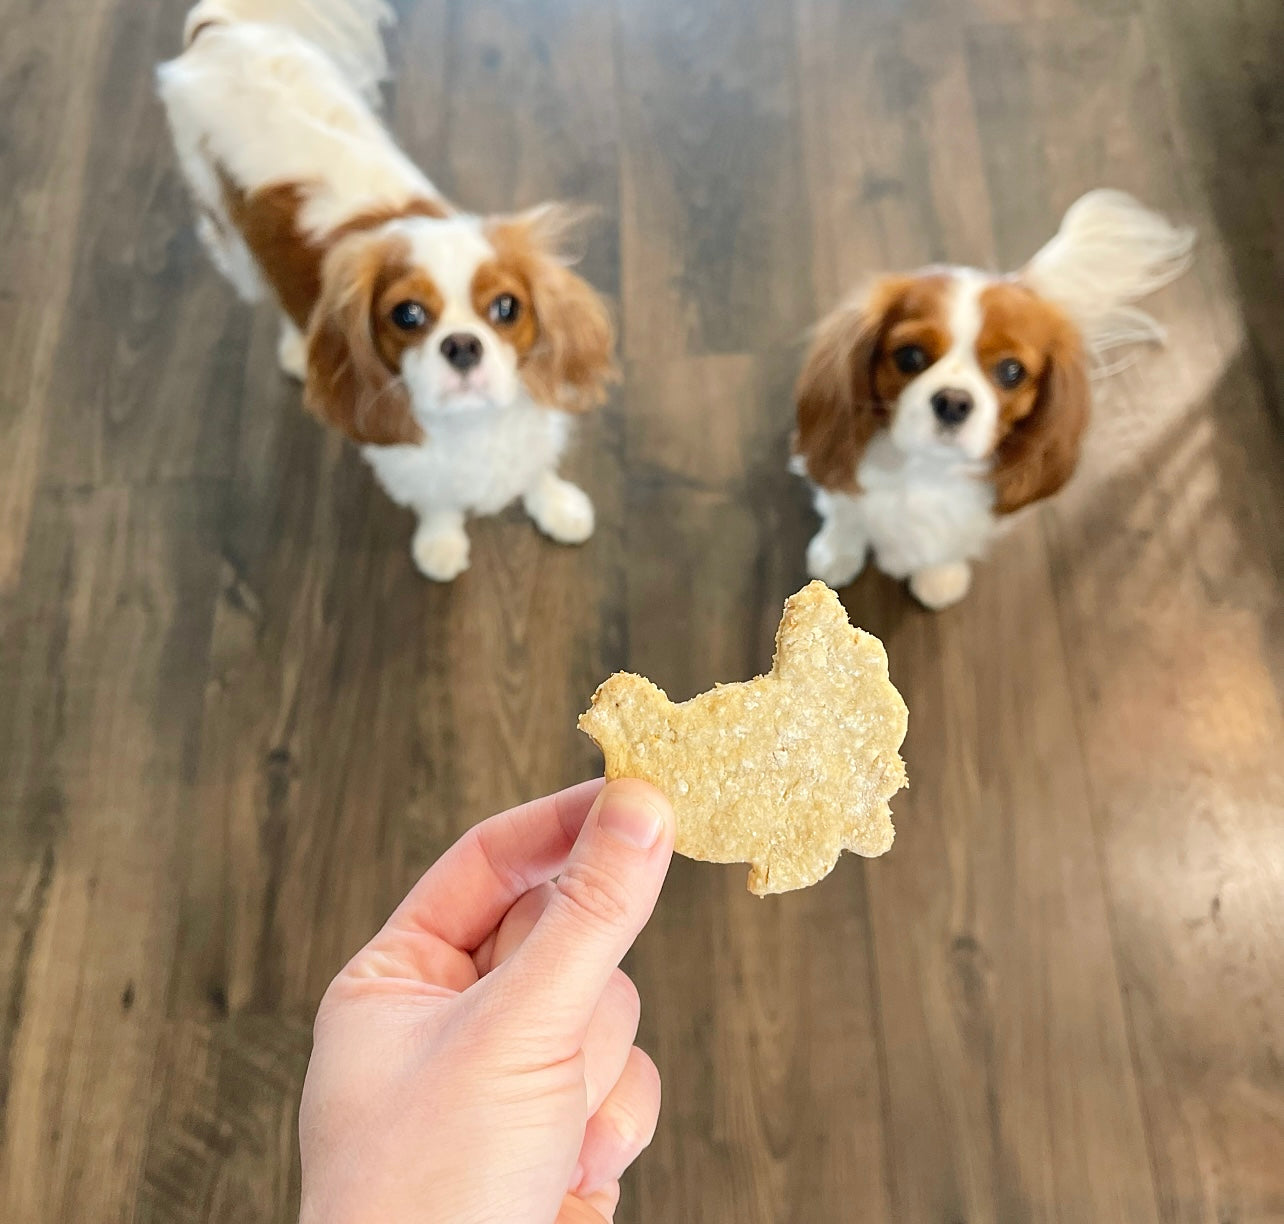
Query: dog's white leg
[(559, 509), (834, 557), (440, 546), (836, 554), (941, 586), (292, 351)]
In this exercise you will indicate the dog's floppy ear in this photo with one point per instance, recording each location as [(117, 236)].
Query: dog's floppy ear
[(1041, 451), (838, 409), (348, 383), (570, 364)]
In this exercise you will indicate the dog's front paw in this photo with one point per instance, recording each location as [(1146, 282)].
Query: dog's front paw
[(561, 511), (440, 553), (292, 352), (941, 586), (834, 565)]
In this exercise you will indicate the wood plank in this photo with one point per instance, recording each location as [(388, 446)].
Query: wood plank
[(48, 103), (518, 646), (146, 385), (1166, 555), (309, 719), (1079, 105), (1222, 64), (100, 825), (532, 114), (534, 117), (891, 147), (221, 1144), (994, 963), (417, 94), (1022, 13), (1169, 581), (715, 244)]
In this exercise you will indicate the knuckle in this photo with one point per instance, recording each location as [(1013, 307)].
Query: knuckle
[(595, 894), (632, 1133), (632, 1116), (490, 846)]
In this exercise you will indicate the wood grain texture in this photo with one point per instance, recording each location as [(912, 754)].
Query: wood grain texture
[(143, 324), (1223, 70), (891, 146), (48, 103), (235, 724), (1167, 564), (714, 241), (97, 858)]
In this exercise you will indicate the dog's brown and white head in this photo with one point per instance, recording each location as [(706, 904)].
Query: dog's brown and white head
[(427, 317), (948, 362)]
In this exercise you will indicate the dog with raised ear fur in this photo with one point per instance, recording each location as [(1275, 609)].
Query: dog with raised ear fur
[(455, 350), (931, 406)]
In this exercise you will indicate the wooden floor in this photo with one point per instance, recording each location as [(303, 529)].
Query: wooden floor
[(235, 724)]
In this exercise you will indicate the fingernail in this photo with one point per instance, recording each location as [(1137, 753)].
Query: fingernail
[(630, 819)]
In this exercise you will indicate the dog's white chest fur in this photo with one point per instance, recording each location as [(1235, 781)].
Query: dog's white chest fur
[(923, 509), (477, 462), (914, 512)]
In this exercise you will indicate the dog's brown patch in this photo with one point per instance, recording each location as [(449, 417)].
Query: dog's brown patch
[(353, 373), (494, 278), (567, 359), (1042, 419), (849, 383), (402, 283), (290, 259)]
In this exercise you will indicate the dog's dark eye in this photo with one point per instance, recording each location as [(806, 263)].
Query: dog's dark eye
[(911, 359), (409, 316), (1009, 373), (505, 309)]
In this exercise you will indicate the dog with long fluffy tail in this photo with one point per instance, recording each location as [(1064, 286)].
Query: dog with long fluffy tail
[(936, 403)]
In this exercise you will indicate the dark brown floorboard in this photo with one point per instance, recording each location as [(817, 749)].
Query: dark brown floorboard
[(235, 724)]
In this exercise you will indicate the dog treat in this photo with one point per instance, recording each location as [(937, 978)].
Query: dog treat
[(783, 772)]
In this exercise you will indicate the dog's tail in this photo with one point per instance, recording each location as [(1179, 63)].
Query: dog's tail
[(348, 31), (1109, 252)]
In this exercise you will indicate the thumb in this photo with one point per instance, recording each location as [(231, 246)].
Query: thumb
[(600, 902)]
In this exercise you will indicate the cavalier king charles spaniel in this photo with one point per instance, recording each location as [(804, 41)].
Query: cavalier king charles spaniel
[(454, 349), (935, 404)]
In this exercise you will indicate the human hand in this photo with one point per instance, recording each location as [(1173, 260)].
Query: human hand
[(474, 1063)]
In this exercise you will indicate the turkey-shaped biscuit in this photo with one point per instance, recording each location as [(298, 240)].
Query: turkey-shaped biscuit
[(783, 772)]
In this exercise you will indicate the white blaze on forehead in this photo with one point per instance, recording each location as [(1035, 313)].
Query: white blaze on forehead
[(961, 368), (915, 425), (450, 251), (966, 317)]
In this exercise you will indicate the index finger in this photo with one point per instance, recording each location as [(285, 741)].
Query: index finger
[(464, 895)]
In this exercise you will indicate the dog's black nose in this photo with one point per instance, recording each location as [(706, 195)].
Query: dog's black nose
[(951, 407), (462, 350)]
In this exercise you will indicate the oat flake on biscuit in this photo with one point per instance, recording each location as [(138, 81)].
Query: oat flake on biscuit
[(783, 772)]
